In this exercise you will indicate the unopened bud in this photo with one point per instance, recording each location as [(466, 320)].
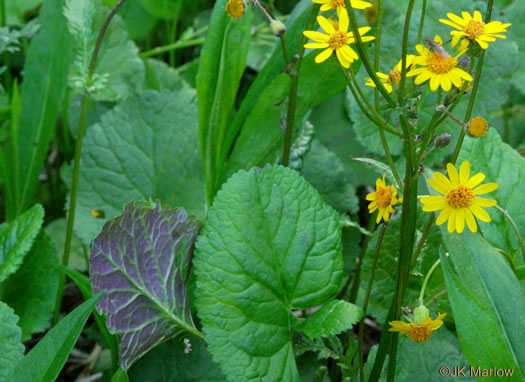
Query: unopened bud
[(477, 127), (420, 313), (442, 141), (464, 63), (278, 28), (235, 8)]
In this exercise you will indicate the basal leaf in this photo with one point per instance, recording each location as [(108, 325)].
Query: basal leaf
[(333, 318), (146, 147), (16, 238), (44, 362), (325, 171), (45, 72), (487, 302), (31, 291), (222, 64), (504, 166), (173, 361), (11, 347), (141, 260), (269, 245)]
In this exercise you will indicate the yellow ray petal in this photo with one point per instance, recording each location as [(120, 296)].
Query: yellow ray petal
[(443, 179), (324, 55), (456, 19), (480, 213), (460, 220), (343, 19), (485, 202), (464, 172), (452, 221), (326, 25), (485, 188), (452, 174), (316, 36), (476, 179), (471, 222), (438, 186), (443, 216)]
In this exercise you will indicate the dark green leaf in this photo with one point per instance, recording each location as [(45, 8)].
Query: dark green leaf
[(46, 359), (11, 347)]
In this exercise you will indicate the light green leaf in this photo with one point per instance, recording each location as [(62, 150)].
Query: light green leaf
[(78, 257), (173, 361), (331, 319), (120, 376), (504, 166), (487, 302), (118, 70), (16, 10), (11, 347), (269, 245), (381, 168), (222, 64), (16, 238), (323, 169), (160, 75), (24, 291), (164, 9), (45, 73), (514, 14), (44, 362), (146, 147)]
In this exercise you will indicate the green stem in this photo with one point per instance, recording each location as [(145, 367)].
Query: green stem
[(477, 80), (292, 95), (357, 273), (364, 56), (367, 299), (76, 161), (514, 226), (404, 51), (380, 13), (168, 48), (423, 239), (421, 22), (425, 282)]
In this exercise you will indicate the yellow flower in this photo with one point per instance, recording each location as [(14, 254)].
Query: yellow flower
[(235, 8), (418, 332), (336, 39), (383, 199), (439, 68), (394, 76), (477, 127), (337, 4), (474, 29), (460, 202)]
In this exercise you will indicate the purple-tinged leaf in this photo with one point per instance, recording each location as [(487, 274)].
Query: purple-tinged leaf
[(141, 261)]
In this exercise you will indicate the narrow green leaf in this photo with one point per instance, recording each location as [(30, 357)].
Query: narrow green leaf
[(331, 319), (222, 64), (45, 75), (16, 239), (24, 290), (46, 359), (270, 245), (11, 347), (120, 376), (487, 302)]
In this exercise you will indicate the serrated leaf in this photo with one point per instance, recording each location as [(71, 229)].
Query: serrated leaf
[(23, 291), (45, 72), (146, 147), (16, 238), (141, 260), (487, 302), (325, 171), (333, 318), (160, 75), (44, 362), (172, 361), (301, 145), (118, 69), (11, 347), (269, 245), (504, 166)]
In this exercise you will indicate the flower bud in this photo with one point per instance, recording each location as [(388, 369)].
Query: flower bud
[(477, 127), (235, 8), (420, 313), (278, 28), (442, 141)]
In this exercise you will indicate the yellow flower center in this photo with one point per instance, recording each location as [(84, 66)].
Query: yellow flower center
[(475, 28), (383, 197), (337, 3), (460, 197), (337, 40), (395, 76), (478, 127), (441, 65), (420, 333), (235, 8)]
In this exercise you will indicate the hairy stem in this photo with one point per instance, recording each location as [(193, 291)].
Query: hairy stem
[(76, 160)]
